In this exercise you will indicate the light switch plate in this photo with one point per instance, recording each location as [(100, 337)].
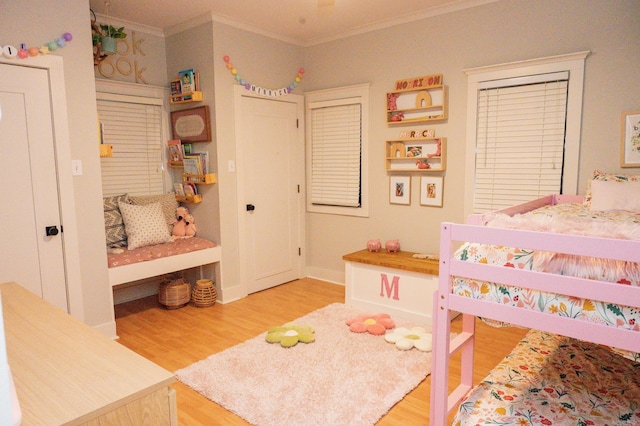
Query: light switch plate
[(76, 167)]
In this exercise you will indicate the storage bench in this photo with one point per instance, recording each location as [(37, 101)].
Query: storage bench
[(393, 283)]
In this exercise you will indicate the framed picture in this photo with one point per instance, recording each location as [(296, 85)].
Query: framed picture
[(191, 125), (400, 190), (630, 144), (431, 188)]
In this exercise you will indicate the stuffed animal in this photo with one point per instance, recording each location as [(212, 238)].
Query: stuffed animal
[(391, 101), (184, 226)]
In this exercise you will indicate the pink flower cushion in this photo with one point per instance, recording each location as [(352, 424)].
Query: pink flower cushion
[(373, 324)]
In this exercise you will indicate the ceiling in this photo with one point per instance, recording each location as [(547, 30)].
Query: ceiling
[(303, 22)]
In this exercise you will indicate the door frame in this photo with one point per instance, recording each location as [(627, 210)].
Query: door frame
[(298, 100), (62, 146)]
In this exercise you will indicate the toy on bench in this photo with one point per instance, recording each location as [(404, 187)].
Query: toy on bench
[(184, 226)]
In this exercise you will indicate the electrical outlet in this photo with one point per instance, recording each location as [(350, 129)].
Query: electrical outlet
[(76, 167)]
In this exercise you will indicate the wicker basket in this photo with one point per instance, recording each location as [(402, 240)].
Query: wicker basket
[(204, 294), (174, 294)]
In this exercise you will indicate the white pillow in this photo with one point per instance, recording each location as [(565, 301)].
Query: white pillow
[(144, 225), (615, 195)]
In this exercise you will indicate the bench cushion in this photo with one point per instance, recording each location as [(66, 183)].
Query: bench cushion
[(179, 246)]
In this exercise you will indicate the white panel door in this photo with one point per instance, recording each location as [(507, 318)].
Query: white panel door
[(270, 173), (30, 188)]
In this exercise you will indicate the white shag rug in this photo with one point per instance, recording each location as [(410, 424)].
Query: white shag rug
[(342, 378)]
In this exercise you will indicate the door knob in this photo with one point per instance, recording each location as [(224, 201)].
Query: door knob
[(51, 231), (250, 207)]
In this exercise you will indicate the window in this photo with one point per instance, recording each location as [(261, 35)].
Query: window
[(134, 126), (337, 151), (523, 131)]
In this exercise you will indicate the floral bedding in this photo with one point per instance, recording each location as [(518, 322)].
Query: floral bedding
[(583, 309), (554, 380)]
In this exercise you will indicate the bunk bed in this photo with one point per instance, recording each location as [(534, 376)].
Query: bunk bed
[(525, 266)]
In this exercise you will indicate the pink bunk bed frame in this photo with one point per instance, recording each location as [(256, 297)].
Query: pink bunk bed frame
[(445, 302)]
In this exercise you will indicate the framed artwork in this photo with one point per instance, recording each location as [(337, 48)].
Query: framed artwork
[(191, 125), (630, 144), (400, 190), (431, 188)]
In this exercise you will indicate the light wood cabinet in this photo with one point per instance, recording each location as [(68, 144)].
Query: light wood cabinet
[(65, 372), (416, 155)]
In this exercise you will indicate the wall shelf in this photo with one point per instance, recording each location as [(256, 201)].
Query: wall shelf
[(180, 99), (417, 106), (425, 155)]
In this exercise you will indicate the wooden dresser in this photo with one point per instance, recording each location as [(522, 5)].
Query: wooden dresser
[(65, 372)]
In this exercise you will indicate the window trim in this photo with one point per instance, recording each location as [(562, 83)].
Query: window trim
[(574, 63), (360, 91)]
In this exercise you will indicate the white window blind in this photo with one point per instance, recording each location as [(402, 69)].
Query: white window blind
[(520, 139), (336, 144), (135, 131)]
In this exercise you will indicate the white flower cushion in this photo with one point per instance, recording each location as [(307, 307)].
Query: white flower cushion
[(145, 225)]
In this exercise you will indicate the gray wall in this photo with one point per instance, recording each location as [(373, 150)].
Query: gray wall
[(505, 31)]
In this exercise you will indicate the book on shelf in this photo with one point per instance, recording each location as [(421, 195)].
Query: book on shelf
[(176, 156), (176, 88), (187, 148), (204, 161), (190, 189), (179, 189), (192, 165), (187, 79)]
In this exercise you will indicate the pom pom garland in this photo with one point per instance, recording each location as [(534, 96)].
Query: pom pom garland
[(11, 52), (261, 90)]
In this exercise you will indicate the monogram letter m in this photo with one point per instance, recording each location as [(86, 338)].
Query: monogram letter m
[(390, 290)]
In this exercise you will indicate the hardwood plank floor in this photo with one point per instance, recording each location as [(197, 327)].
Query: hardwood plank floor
[(177, 338)]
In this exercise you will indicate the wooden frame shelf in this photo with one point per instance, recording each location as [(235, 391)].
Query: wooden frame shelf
[(417, 106), (177, 99), (424, 155), (208, 179)]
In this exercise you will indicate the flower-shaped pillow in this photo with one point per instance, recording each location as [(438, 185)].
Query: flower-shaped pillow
[(373, 324), (405, 338), (289, 334)]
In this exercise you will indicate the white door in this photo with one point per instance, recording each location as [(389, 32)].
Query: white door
[(30, 200), (270, 175)]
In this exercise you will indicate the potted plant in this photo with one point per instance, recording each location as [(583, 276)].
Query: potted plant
[(105, 36)]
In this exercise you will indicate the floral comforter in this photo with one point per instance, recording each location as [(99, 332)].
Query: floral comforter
[(583, 309), (555, 380)]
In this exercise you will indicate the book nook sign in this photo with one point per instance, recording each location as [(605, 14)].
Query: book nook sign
[(261, 90)]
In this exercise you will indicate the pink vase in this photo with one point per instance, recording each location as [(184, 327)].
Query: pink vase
[(392, 246), (373, 245)]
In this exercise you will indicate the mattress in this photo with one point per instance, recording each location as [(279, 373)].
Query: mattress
[(569, 218), (554, 380), (142, 254)]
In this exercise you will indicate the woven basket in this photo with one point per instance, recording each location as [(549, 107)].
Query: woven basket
[(204, 294), (174, 294)]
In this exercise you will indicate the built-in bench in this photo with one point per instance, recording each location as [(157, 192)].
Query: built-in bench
[(150, 260)]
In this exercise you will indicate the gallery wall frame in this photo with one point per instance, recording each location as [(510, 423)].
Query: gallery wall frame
[(192, 124), (630, 139), (431, 191), (400, 190)]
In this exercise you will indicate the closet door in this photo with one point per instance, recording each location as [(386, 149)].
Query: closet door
[(32, 241)]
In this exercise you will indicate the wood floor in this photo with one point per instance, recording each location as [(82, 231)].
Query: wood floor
[(177, 338)]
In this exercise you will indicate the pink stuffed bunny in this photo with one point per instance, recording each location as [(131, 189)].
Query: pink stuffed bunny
[(184, 226)]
